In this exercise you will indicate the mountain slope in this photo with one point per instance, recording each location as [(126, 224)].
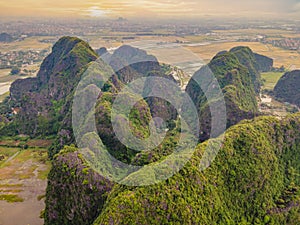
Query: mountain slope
[(287, 88), (43, 101), (252, 181), (238, 78), (75, 193)]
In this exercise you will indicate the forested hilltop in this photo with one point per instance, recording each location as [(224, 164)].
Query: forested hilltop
[(253, 180)]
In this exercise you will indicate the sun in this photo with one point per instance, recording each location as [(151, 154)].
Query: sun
[(96, 11)]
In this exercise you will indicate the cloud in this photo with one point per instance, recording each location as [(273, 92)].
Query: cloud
[(297, 7), (95, 11), (148, 8)]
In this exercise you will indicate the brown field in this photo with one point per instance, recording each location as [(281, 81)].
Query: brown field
[(39, 143), (31, 43), (268, 32), (290, 59), (4, 72), (117, 41)]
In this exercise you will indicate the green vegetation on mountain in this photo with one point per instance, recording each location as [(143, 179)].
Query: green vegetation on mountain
[(61, 209), (287, 88), (43, 102), (249, 59), (237, 73), (75, 193), (139, 119), (254, 180)]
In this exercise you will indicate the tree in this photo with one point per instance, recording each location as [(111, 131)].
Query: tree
[(15, 71)]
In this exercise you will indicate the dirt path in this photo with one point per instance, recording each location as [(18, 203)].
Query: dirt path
[(12, 157)]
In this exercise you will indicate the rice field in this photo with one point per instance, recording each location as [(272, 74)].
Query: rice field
[(31, 43), (287, 58), (23, 176), (271, 79)]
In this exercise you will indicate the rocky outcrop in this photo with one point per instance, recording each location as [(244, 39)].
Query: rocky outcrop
[(248, 59), (46, 101)]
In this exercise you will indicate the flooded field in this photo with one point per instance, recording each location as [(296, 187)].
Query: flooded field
[(23, 183)]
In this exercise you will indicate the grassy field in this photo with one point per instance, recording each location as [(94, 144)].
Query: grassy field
[(32, 157), (270, 79), (11, 198), (7, 152), (18, 167), (6, 77), (14, 155), (198, 38)]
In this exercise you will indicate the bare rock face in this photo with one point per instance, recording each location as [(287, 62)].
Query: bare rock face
[(20, 87), (130, 63)]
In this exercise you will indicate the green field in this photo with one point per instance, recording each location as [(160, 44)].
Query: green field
[(270, 79)]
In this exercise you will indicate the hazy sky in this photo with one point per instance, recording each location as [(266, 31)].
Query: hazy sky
[(149, 8)]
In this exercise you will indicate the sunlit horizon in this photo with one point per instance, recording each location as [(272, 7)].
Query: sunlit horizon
[(155, 9)]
